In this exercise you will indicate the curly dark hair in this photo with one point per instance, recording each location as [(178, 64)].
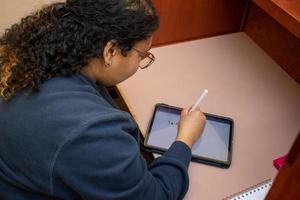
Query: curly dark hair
[(61, 38)]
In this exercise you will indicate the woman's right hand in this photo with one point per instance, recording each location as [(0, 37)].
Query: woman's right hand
[(191, 125)]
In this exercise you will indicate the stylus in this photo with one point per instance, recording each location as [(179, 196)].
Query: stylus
[(199, 100)]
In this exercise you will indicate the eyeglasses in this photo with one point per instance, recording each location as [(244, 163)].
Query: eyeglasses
[(147, 58)]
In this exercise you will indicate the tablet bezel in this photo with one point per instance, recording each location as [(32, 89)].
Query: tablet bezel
[(196, 158)]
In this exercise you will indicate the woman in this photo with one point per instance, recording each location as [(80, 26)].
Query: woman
[(62, 136)]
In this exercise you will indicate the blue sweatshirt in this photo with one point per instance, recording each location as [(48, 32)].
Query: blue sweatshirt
[(70, 141)]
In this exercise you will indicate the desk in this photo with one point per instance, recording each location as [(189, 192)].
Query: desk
[(244, 83)]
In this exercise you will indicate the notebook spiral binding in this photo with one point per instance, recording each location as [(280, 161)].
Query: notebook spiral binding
[(251, 189)]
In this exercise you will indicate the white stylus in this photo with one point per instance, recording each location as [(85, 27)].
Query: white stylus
[(199, 100)]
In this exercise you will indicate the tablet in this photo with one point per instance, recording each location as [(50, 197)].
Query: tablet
[(214, 147)]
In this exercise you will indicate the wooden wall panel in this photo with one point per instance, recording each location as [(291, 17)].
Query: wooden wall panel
[(278, 42), (286, 12), (192, 19)]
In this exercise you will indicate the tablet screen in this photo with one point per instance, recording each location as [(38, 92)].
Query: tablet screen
[(213, 144)]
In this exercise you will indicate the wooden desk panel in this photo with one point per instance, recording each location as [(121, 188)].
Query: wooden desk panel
[(186, 20), (286, 12), (245, 84), (283, 46)]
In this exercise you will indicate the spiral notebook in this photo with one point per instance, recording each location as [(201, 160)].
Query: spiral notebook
[(256, 192)]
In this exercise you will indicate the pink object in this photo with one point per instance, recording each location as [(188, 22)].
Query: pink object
[(279, 162)]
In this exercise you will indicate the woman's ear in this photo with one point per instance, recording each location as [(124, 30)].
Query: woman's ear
[(110, 50)]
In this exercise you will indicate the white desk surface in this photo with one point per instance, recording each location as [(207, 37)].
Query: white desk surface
[(245, 84)]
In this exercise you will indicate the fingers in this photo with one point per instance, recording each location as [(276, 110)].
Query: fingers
[(185, 111)]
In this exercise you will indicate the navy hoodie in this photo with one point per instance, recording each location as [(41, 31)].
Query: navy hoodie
[(70, 141)]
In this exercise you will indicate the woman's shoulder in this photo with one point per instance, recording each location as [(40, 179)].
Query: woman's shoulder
[(74, 83), (66, 103), (72, 92)]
